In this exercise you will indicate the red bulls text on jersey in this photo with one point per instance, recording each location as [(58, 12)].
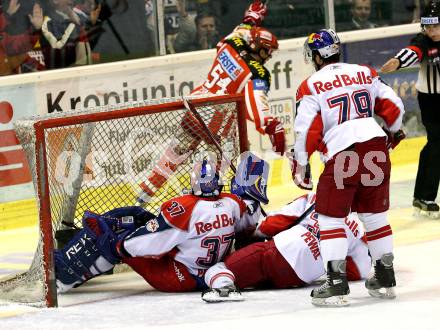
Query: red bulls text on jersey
[(336, 107)]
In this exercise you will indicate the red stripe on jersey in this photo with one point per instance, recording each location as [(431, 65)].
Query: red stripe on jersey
[(418, 51), (177, 211), (303, 90), (216, 276), (237, 199), (314, 136), (332, 234), (387, 110), (277, 223)]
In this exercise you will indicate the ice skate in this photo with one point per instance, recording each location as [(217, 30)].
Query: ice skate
[(382, 284), (334, 292), (429, 209), (228, 293)]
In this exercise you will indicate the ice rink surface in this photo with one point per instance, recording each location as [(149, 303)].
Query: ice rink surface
[(124, 301), (134, 306)]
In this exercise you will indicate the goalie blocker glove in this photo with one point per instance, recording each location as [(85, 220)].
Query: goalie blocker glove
[(255, 14), (277, 135)]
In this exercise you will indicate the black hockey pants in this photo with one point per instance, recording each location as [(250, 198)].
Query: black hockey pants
[(428, 173)]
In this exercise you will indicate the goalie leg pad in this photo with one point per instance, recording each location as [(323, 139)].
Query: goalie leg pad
[(91, 251), (75, 262)]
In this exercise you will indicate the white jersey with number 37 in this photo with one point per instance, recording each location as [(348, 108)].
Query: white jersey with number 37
[(197, 231), (335, 108)]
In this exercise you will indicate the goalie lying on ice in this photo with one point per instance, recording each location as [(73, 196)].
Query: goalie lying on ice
[(170, 251)]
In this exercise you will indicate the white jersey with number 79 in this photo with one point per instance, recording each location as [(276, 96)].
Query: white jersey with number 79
[(335, 108)]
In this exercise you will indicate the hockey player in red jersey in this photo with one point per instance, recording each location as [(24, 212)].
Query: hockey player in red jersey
[(335, 117), (291, 259), (170, 251), (237, 68)]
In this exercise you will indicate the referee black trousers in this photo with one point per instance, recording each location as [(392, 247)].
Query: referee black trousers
[(428, 173)]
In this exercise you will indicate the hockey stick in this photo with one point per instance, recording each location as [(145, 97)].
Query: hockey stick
[(143, 197), (302, 216), (188, 105)]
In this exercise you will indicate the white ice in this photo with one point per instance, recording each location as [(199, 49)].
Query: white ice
[(124, 301)]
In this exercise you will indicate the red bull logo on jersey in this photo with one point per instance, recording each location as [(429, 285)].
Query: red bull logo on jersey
[(360, 78), (220, 221), (229, 64)]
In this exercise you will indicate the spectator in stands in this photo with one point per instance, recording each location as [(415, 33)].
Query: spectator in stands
[(64, 38), (195, 33), (360, 12), (88, 11), (19, 28)]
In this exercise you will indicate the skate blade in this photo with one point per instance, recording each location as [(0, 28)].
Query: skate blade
[(214, 297), (336, 301), (383, 293), (425, 214)]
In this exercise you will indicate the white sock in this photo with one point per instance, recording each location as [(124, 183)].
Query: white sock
[(219, 276), (379, 234), (333, 239)]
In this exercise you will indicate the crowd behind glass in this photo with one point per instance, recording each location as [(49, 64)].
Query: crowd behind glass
[(38, 35)]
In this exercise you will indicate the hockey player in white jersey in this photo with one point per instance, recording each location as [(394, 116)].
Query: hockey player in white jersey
[(172, 250), (335, 116), (291, 259)]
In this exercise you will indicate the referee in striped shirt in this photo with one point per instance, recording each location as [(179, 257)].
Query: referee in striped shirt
[(424, 48)]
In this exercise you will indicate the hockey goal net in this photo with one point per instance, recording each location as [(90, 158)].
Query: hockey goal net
[(97, 159)]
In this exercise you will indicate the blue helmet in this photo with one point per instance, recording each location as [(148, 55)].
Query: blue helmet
[(205, 179), (251, 178), (324, 42)]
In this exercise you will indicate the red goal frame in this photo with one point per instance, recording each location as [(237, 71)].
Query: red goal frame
[(43, 202)]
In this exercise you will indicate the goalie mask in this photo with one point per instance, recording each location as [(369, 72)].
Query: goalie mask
[(430, 14), (325, 43), (251, 178), (205, 179)]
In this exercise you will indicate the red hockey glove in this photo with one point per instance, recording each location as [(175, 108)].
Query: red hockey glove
[(277, 136), (301, 175), (256, 13), (393, 139)]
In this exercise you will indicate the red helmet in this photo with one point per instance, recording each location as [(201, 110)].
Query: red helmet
[(262, 38)]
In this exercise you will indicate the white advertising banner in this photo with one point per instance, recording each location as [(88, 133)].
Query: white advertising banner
[(136, 80)]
